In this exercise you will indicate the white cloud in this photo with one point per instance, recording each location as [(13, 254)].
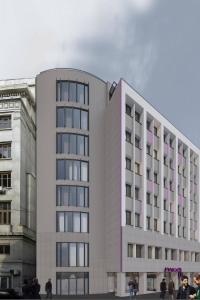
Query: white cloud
[(142, 5)]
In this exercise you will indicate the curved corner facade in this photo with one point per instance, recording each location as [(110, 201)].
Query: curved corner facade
[(71, 191)]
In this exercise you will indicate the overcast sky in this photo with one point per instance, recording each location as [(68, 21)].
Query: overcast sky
[(152, 44)]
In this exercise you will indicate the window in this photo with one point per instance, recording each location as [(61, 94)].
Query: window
[(72, 91), (72, 222), (72, 170), (173, 254), (137, 168), (5, 122), (137, 193), (130, 250), (5, 150), (155, 177), (179, 231), (155, 131), (139, 251), (72, 196), (155, 200), (165, 138), (128, 163), (171, 163), (158, 253), (148, 174), (165, 204), (148, 223), (128, 110), (4, 249), (155, 152), (155, 225), (137, 116), (165, 227), (165, 160), (128, 136), (171, 143), (165, 182), (137, 142), (72, 255), (149, 252), (5, 179), (128, 217), (171, 185), (128, 190), (137, 220), (5, 213), (148, 125), (72, 118), (179, 210), (151, 282), (72, 283), (148, 196), (148, 149), (184, 235), (72, 144), (170, 228)]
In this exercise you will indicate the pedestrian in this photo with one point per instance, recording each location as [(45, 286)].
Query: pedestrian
[(48, 289), (26, 290), (35, 289), (131, 286), (135, 287), (197, 295), (185, 291), (163, 288), (171, 289)]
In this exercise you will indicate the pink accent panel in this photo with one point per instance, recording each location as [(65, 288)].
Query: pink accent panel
[(180, 200), (180, 158), (149, 137), (166, 149), (149, 186), (170, 151)]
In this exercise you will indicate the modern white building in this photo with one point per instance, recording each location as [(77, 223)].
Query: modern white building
[(17, 182), (117, 188)]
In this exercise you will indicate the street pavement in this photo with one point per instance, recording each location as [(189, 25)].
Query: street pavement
[(110, 296)]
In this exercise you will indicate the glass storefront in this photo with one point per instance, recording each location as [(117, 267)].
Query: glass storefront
[(68, 283)]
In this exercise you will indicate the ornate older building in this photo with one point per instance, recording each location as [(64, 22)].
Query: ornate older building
[(17, 182)]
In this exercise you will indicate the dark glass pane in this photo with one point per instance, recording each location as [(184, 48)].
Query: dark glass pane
[(73, 196), (72, 144), (69, 117), (64, 91), (80, 196), (69, 169), (60, 117), (84, 120), (72, 91), (86, 197), (86, 95), (58, 143), (86, 146), (70, 221), (80, 93), (58, 254), (64, 255), (60, 169), (80, 145), (76, 118), (65, 143)]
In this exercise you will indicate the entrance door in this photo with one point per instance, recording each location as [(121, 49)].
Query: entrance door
[(4, 282)]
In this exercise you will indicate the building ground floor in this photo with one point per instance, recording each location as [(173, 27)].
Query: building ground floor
[(78, 283)]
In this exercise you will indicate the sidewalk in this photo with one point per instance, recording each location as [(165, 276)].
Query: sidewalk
[(110, 296)]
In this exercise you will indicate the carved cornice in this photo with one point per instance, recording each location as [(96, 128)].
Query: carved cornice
[(13, 92)]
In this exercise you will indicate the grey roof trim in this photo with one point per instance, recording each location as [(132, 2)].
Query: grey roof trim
[(72, 69)]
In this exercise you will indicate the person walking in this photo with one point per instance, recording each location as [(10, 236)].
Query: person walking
[(131, 287), (135, 287), (48, 289), (163, 288), (35, 288), (171, 289), (186, 291), (26, 290)]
